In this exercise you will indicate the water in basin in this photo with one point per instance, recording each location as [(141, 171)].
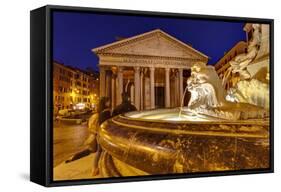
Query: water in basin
[(170, 115)]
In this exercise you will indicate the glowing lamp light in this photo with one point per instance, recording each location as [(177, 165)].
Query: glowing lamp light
[(80, 106)]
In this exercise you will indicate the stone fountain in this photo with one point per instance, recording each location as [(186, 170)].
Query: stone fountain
[(210, 134)]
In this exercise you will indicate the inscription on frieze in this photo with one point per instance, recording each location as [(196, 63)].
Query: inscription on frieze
[(148, 61)]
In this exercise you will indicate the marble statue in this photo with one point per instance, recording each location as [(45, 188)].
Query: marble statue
[(252, 91), (208, 97), (239, 63), (205, 87)]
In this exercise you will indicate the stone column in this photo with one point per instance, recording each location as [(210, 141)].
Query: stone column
[(113, 91), (167, 87), (132, 93), (137, 87), (108, 83), (177, 86), (102, 81), (181, 83), (172, 87), (152, 88), (120, 86), (141, 88)]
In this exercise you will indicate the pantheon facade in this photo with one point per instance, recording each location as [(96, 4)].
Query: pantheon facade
[(149, 67)]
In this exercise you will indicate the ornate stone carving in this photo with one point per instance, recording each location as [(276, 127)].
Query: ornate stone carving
[(239, 63), (205, 87), (208, 97)]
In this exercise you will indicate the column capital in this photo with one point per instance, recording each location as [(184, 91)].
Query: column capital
[(167, 69), (137, 68), (152, 68), (101, 68)]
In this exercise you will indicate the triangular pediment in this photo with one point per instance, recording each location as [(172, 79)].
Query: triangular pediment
[(153, 43)]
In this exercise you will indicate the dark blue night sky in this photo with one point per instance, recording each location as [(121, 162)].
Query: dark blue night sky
[(75, 34)]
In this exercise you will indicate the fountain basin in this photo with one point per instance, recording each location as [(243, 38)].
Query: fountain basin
[(159, 142)]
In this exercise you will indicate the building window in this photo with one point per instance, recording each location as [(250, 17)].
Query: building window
[(78, 83)]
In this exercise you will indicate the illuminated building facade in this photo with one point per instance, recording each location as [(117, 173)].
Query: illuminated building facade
[(223, 64), (150, 67), (72, 86)]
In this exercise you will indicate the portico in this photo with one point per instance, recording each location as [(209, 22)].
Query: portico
[(149, 67)]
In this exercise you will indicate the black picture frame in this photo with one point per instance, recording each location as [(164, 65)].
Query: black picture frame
[(41, 160)]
